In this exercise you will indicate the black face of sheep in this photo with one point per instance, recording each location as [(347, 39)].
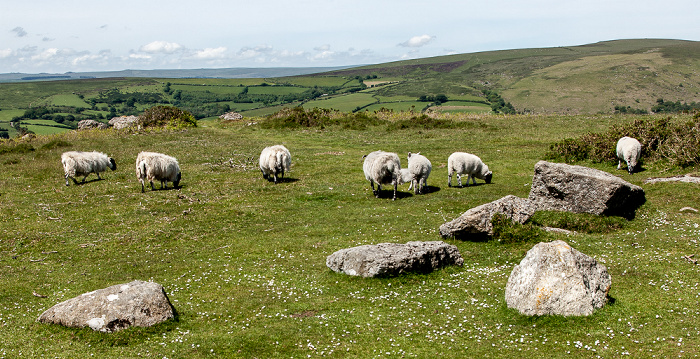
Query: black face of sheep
[(176, 183), (112, 164), (488, 178)]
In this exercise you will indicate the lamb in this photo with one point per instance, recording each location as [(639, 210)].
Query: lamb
[(77, 163), (417, 173), (274, 160), (382, 168), (469, 164), (628, 150), (157, 166)]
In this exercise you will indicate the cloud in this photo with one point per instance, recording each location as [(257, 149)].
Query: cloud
[(5, 53), (323, 48), (45, 55), (160, 47), (418, 41), (19, 32), (210, 53)]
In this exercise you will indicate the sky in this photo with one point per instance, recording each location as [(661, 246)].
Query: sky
[(49, 36)]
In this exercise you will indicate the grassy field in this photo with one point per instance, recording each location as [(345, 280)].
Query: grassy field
[(243, 260)]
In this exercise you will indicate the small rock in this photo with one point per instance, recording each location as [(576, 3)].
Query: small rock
[(140, 304), (391, 259), (476, 222)]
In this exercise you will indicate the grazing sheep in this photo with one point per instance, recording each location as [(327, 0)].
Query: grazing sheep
[(628, 150), (417, 173), (382, 168), (469, 164), (274, 160), (157, 166), (76, 163)]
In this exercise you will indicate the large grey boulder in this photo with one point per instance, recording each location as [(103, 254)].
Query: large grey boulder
[(90, 124), (578, 189), (554, 278), (140, 304), (391, 259), (476, 222), (121, 122)]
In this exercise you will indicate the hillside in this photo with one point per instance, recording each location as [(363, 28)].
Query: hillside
[(580, 79), (587, 79)]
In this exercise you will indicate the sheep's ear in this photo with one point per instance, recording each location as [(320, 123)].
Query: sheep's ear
[(114, 164), (409, 155)]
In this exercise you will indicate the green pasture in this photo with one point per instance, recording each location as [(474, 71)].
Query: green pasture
[(398, 106), (216, 82), (343, 103), (64, 100), (275, 90), (242, 260), (46, 130), (311, 81), (208, 88), (8, 115)]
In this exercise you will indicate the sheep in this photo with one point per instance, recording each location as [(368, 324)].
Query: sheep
[(467, 163), (157, 166), (417, 173), (628, 150), (76, 163), (382, 168), (274, 160)]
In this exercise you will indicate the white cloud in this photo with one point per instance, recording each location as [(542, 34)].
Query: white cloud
[(418, 41), (45, 55), (211, 53), (323, 48), (19, 32), (4, 53), (139, 56), (160, 47)]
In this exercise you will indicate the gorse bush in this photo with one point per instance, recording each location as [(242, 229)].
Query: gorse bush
[(299, 117), (677, 143), (423, 122), (168, 117)]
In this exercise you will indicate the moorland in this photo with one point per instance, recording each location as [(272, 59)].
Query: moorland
[(243, 259)]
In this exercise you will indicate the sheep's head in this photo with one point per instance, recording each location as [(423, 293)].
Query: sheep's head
[(488, 177), (176, 182), (112, 164)]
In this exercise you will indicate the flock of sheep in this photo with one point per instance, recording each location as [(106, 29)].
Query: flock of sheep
[(382, 168)]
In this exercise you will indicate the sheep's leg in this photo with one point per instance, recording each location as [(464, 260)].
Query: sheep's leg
[(265, 175), (459, 180), (396, 187), (98, 176), (416, 188), (74, 180), (153, 188), (275, 177), (449, 180), (142, 187), (473, 180), (375, 192), (619, 164), (85, 178)]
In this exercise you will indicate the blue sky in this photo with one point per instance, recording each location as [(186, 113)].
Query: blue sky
[(80, 35)]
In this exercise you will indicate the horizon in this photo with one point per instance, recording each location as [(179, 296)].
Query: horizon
[(313, 33)]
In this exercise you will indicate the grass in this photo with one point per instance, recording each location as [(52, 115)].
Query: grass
[(243, 260)]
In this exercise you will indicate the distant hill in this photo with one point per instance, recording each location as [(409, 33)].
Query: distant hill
[(579, 79), (228, 73)]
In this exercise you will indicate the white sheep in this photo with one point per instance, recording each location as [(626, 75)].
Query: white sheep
[(157, 166), (417, 173), (76, 163), (628, 150), (466, 163), (382, 168), (275, 160)]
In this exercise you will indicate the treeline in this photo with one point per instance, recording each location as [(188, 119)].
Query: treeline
[(674, 107), (498, 104), (65, 115)]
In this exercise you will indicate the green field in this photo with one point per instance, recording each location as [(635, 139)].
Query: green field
[(343, 103), (243, 260)]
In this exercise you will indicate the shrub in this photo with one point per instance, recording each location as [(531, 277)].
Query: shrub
[(18, 148), (423, 122), (661, 139), (55, 144), (168, 117), (298, 117)]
